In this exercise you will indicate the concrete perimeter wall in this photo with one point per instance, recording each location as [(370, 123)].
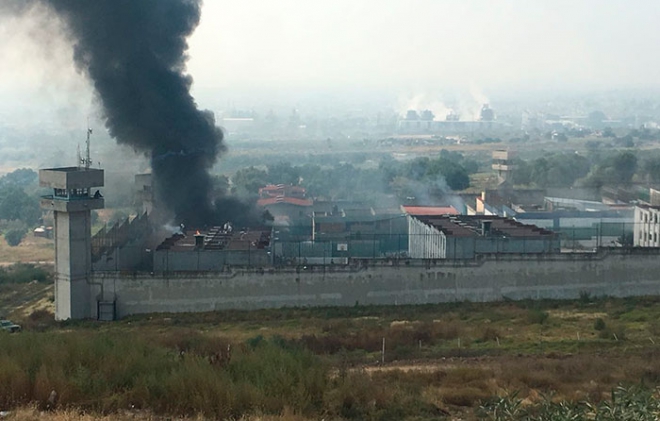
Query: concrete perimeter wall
[(610, 272)]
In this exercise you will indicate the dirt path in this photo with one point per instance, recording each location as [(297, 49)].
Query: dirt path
[(39, 262), (428, 366), (23, 297)]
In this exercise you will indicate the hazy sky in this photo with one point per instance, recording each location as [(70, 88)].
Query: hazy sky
[(409, 46), (420, 44)]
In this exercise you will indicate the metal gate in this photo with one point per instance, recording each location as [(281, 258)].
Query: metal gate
[(106, 311)]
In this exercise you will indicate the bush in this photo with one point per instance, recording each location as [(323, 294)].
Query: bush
[(635, 403), (615, 333), (106, 372), (22, 273), (585, 297), (14, 236), (537, 316), (464, 396), (39, 320), (599, 324), (654, 328), (489, 333)]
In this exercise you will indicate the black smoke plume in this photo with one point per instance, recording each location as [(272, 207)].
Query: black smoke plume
[(134, 53)]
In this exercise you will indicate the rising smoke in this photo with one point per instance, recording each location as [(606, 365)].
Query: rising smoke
[(134, 54), (465, 103)]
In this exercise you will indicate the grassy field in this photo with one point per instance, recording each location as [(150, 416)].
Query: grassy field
[(31, 249), (461, 361)]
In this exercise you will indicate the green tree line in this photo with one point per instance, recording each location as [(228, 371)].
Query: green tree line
[(448, 171), (19, 204)]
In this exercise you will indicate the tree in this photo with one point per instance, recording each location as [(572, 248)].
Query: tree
[(607, 132), (470, 165), (523, 173), (625, 165), (456, 176), (559, 170), (614, 170), (15, 204), (652, 169), (250, 179), (416, 169), (596, 118), (424, 169), (592, 145), (625, 141), (389, 167), (22, 177), (14, 236), (283, 173)]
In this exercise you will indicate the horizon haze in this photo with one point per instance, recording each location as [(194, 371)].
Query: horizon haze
[(280, 54)]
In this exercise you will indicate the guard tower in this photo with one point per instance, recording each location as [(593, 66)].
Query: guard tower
[(74, 197), (502, 163)]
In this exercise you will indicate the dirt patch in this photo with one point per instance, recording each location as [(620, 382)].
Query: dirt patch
[(576, 315), (31, 249), (20, 300)]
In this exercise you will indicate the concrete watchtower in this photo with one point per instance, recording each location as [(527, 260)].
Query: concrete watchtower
[(72, 201)]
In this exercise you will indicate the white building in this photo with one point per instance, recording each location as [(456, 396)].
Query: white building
[(647, 226), (425, 241)]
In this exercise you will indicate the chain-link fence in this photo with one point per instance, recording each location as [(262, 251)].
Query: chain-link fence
[(342, 250)]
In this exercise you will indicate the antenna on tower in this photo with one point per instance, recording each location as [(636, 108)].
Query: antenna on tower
[(88, 158)]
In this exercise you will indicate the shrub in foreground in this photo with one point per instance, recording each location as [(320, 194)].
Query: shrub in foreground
[(635, 403), (106, 372)]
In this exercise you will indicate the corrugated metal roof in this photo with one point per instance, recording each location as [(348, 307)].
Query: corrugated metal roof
[(283, 199), (430, 210), (472, 225)]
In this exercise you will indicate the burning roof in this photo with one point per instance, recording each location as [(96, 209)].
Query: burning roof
[(218, 238)]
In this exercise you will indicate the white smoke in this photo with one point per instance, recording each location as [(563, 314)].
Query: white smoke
[(433, 192), (466, 104), (478, 100), (420, 102)]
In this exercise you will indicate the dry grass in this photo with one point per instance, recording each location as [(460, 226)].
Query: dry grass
[(41, 303), (502, 350), (465, 382), (31, 249), (20, 300), (34, 414)]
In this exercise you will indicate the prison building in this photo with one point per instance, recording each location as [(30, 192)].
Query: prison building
[(466, 236), (646, 232), (213, 250)]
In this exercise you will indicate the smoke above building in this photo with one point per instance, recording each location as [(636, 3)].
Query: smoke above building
[(465, 104), (134, 54)]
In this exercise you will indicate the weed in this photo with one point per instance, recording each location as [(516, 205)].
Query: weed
[(464, 396), (585, 297), (615, 333), (23, 272), (489, 333), (537, 316)]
